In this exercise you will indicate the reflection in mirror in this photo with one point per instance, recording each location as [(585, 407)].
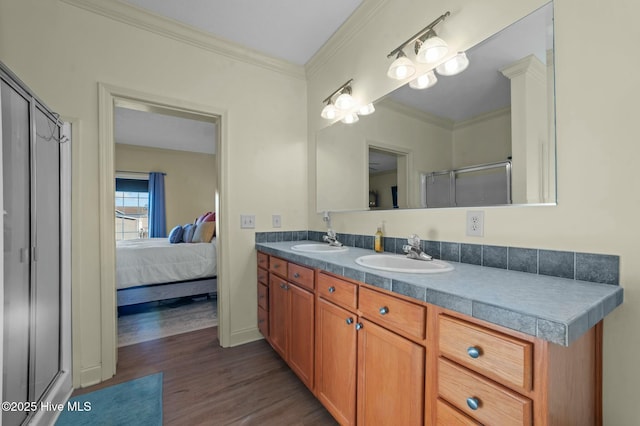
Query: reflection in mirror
[(485, 136), (387, 179)]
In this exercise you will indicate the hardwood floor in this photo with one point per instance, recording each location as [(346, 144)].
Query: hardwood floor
[(205, 384)]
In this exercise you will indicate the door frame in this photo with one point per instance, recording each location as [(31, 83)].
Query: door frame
[(108, 96)]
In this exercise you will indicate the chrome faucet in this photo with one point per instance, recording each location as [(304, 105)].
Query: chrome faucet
[(413, 249), (331, 238)]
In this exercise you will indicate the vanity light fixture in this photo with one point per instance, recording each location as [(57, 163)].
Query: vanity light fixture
[(454, 66), (428, 47), (344, 107)]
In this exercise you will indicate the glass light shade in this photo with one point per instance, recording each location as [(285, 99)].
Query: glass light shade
[(424, 81), (350, 118), (366, 109), (401, 68), (345, 101), (329, 112), (454, 66), (432, 50)]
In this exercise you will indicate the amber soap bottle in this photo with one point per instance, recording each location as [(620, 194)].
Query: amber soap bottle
[(378, 244)]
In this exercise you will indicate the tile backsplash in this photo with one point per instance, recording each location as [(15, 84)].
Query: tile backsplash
[(598, 268)]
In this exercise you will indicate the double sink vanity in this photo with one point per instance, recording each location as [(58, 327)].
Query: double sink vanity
[(444, 343)]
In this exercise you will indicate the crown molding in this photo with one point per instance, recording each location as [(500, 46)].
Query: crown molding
[(353, 25), (416, 113), (132, 15), (482, 117)]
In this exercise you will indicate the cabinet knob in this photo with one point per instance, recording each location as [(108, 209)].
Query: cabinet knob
[(359, 326), (473, 403), (332, 289), (296, 275), (260, 322), (384, 310), (349, 321), (473, 352)]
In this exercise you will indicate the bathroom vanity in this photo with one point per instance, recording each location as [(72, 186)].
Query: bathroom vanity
[(475, 345)]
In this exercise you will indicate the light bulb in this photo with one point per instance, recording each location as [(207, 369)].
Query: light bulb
[(366, 109), (432, 50), (424, 81), (350, 118), (401, 68), (345, 101), (329, 112), (454, 66)]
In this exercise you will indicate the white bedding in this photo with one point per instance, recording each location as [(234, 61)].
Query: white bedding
[(155, 261)]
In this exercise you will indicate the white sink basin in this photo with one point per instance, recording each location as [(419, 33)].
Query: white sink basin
[(401, 263), (319, 248)]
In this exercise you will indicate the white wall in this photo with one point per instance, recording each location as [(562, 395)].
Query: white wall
[(485, 139), (62, 52), (596, 145)]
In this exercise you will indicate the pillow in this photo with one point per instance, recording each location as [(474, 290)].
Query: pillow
[(200, 219), (187, 232), (210, 217), (204, 232), (175, 236)]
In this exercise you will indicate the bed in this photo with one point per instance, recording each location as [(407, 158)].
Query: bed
[(153, 269)]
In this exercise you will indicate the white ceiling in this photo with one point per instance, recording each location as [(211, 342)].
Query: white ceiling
[(292, 30), (157, 130)]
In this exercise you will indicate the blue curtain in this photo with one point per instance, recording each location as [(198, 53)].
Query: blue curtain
[(157, 215)]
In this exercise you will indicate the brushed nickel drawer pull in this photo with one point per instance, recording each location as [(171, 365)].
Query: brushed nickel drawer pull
[(473, 352), (473, 403)]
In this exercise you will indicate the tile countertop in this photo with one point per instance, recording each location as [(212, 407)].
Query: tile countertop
[(558, 310)]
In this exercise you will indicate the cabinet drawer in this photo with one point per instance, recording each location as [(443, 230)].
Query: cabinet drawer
[(263, 322), (498, 356), (449, 416), (301, 275), (263, 276), (338, 291), (494, 403), (263, 260), (263, 296), (278, 266), (392, 312)]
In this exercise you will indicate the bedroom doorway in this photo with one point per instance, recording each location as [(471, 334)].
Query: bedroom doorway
[(119, 103), (165, 286)]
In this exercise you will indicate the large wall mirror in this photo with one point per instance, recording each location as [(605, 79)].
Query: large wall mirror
[(483, 137)]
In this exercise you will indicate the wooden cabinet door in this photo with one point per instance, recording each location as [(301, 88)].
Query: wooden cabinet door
[(390, 378), (278, 314), (301, 335), (336, 361)]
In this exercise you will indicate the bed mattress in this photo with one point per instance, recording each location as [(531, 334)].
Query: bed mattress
[(155, 261)]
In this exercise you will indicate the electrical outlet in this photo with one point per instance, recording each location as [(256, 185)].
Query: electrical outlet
[(276, 221), (475, 223), (247, 221)]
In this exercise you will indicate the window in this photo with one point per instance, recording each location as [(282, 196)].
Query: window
[(132, 209)]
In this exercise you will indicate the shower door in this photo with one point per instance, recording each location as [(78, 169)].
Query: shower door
[(32, 250)]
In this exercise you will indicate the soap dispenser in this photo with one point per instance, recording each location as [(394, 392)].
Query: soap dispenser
[(378, 243)]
